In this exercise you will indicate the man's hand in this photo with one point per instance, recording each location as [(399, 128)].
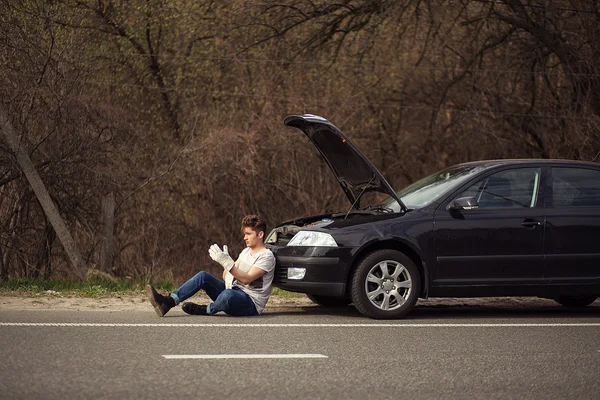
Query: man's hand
[(221, 256)]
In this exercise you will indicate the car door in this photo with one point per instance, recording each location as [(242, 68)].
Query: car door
[(572, 244), (501, 241)]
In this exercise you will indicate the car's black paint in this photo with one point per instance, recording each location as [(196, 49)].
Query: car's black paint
[(523, 251), (488, 248)]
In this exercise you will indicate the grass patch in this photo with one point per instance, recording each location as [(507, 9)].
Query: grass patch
[(285, 293), (94, 287)]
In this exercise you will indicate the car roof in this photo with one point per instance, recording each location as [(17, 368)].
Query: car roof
[(525, 161)]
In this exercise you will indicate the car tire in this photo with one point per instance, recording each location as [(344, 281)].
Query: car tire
[(380, 295), (329, 301), (575, 301)]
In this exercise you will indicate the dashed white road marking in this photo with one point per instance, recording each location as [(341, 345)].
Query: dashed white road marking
[(267, 325), (226, 356)]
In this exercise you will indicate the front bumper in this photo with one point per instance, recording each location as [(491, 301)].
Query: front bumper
[(327, 269)]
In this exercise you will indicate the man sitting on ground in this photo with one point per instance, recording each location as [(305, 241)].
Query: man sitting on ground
[(246, 284)]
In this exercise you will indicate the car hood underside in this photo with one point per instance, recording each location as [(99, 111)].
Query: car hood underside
[(354, 172)]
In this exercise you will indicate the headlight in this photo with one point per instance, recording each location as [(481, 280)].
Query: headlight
[(296, 273), (310, 238)]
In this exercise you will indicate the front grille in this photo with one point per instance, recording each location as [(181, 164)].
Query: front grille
[(280, 275)]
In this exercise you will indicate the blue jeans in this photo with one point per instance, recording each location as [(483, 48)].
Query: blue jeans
[(231, 301)]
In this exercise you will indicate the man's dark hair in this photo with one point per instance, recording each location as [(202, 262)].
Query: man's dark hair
[(254, 222)]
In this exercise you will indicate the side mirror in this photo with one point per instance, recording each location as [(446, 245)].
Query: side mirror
[(463, 203)]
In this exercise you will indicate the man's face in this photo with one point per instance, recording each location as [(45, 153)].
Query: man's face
[(252, 238)]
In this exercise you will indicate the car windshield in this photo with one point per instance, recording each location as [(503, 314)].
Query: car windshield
[(429, 189)]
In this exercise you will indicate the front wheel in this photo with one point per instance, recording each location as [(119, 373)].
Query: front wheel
[(385, 285), (575, 301)]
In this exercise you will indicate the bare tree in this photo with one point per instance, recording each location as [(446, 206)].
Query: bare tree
[(106, 96), (43, 196)]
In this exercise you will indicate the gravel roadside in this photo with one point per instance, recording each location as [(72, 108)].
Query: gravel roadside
[(137, 302)]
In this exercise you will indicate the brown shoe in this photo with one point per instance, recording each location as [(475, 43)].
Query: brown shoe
[(194, 309), (162, 304)]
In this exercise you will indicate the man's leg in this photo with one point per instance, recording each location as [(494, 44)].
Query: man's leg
[(233, 302), (202, 280)]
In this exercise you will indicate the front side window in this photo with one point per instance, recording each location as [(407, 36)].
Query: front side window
[(513, 188), (574, 187)]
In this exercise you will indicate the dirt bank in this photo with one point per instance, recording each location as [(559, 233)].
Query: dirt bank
[(138, 302)]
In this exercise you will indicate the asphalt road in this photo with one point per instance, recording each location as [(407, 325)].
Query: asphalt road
[(437, 353)]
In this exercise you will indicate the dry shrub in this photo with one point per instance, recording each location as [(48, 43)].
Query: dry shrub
[(177, 109)]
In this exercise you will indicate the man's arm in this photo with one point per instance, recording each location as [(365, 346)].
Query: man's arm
[(246, 277), (225, 272), (223, 258)]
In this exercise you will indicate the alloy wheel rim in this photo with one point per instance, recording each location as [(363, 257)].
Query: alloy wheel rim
[(388, 285)]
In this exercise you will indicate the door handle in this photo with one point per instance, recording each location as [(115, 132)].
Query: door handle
[(530, 223)]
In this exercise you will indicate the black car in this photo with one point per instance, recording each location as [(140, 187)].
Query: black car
[(485, 228)]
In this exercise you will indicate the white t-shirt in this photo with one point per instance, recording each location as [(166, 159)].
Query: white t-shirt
[(260, 289)]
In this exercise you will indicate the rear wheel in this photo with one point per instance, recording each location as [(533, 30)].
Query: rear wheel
[(385, 285), (575, 301), (329, 301)]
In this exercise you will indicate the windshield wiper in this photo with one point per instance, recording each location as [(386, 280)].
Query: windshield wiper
[(378, 207)]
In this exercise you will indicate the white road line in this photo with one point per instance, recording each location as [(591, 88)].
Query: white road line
[(224, 356), (266, 325)]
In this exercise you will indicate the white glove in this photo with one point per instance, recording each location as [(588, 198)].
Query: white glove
[(228, 277), (228, 280), (221, 256)]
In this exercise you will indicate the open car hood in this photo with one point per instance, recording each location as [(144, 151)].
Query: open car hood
[(353, 170)]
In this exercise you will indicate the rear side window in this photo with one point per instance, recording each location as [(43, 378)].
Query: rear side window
[(513, 188), (575, 187)]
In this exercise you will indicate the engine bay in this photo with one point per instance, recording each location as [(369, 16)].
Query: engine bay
[(281, 235)]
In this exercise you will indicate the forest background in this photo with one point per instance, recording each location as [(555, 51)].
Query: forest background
[(169, 113)]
